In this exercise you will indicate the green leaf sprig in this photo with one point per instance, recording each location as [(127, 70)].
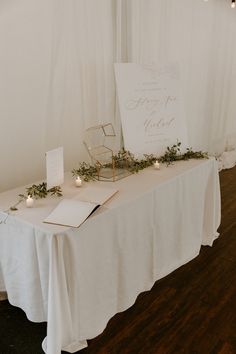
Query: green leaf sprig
[(173, 154), (37, 191), (125, 159), (88, 172)]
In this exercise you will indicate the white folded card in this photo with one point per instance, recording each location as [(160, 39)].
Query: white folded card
[(73, 212), (55, 167)]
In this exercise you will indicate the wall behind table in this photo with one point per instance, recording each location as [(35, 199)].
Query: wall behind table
[(24, 69), (201, 37), (56, 72), (56, 79)]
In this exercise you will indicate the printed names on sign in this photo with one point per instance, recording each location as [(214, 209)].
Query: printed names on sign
[(150, 107)]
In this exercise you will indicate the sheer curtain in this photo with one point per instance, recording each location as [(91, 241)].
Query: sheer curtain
[(201, 37), (81, 90), (222, 86), (57, 79), (56, 69), (24, 58)]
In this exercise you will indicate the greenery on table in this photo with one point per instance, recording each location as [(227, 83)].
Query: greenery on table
[(86, 171), (173, 154), (38, 191), (125, 159)]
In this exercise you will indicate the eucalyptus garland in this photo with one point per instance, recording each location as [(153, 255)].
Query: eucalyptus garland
[(38, 191), (86, 171), (173, 154), (125, 159)]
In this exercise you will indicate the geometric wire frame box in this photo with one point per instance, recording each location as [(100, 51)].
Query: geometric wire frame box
[(100, 141)]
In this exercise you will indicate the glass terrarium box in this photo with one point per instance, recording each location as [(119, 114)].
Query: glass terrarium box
[(100, 142)]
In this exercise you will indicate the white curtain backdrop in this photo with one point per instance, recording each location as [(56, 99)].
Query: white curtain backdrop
[(24, 69), (56, 72), (56, 80), (201, 37), (81, 84)]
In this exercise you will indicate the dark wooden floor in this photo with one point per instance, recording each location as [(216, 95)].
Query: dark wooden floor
[(191, 311)]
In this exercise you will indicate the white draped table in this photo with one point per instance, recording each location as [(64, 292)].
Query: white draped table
[(76, 279)]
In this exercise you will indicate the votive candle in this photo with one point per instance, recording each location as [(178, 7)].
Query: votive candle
[(156, 165), (29, 201), (78, 181)]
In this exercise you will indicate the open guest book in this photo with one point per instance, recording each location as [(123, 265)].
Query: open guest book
[(73, 212)]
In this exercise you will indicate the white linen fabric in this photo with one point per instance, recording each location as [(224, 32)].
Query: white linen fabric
[(56, 70), (76, 279), (201, 38)]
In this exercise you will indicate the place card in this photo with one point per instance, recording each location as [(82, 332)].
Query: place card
[(55, 167)]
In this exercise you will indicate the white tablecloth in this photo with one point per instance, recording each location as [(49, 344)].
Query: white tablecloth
[(76, 279)]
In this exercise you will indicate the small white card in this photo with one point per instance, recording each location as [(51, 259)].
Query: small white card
[(55, 167)]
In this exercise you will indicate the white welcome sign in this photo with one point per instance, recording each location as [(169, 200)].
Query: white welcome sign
[(150, 107)]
